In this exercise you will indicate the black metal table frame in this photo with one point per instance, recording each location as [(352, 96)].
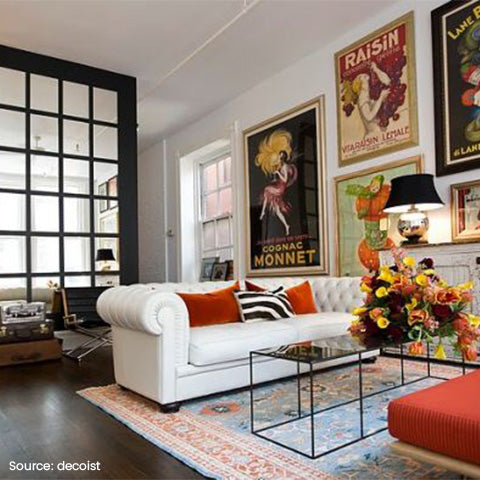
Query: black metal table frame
[(314, 412)]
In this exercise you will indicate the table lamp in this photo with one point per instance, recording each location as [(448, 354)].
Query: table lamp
[(105, 255), (412, 195)]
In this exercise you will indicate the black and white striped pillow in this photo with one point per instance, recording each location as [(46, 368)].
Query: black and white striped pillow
[(259, 306)]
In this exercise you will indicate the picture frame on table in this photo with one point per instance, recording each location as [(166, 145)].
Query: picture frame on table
[(465, 211), (207, 267), (456, 72), (363, 229), (377, 93), (103, 203), (285, 193), (219, 271)]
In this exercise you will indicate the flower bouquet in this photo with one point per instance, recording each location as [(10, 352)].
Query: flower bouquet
[(409, 302)]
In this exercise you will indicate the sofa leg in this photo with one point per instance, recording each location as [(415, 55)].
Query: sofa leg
[(170, 407), (369, 360)]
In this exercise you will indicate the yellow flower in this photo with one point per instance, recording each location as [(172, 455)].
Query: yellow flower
[(440, 352), (365, 288), (442, 283), (411, 306), (466, 286), (422, 280), (381, 292), (409, 262), (474, 320), (386, 276), (429, 271), (383, 322), (359, 311)]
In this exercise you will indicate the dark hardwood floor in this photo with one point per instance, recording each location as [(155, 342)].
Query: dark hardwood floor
[(42, 419)]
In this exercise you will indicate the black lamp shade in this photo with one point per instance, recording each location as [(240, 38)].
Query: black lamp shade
[(413, 190), (105, 255)]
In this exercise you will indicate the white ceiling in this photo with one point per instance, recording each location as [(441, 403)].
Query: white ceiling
[(189, 56)]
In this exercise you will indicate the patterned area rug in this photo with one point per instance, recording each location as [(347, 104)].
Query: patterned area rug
[(212, 435)]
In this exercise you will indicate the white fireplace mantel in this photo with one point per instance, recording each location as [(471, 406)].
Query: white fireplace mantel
[(455, 262)]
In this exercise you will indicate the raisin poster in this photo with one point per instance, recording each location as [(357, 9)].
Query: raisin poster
[(376, 94)]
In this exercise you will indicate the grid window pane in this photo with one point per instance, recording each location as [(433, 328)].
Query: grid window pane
[(210, 177), (75, 138), (75, 99), (44, 213), (45, 282), (44, 93), (44, 172), (78, 281), (105, 178), (44, 133), (12, 206), (211, 206), (225, 201), (12, 170), (45, 254), (12, 254), (209, 235), (76, 215), (12, 87), (224, 172), (17, 283), (77, 254), (76, 174), (105, 105), (106, 221), (107, 280), (223, 232), (112, 244), (105, 142), (12, 129)]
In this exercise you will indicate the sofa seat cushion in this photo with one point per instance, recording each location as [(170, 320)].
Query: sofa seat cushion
[(234, 341), (444, 419), (315, 326)]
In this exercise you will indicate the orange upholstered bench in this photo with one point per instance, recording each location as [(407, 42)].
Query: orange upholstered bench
[(444, 419)]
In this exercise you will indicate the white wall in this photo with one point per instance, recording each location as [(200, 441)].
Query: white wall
[(306, 79)]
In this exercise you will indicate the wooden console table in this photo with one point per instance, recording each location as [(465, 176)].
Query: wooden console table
[(455, 262)]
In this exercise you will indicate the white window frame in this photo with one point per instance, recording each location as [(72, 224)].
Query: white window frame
[(201, 199)]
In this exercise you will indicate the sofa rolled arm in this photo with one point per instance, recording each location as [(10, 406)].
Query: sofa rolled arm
[(139, 307)]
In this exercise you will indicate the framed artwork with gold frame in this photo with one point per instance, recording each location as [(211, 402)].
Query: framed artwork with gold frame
[(285, 188), (465, 211), (376, 93), (362, 227)]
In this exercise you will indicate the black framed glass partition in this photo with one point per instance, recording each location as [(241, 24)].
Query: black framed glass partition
[(68, 174)]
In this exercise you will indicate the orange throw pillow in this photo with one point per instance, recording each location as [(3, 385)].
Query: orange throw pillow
[(300, 296), (213, 308)]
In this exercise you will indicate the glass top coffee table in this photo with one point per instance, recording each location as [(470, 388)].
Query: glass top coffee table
[(306, 358)]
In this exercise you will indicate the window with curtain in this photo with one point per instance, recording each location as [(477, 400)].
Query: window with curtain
[(216, 215)]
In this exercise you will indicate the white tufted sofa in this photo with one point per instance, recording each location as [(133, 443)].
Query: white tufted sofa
[(158, 355)]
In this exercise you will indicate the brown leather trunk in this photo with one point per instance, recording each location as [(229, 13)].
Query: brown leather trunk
[(30, 352), (26, 331)]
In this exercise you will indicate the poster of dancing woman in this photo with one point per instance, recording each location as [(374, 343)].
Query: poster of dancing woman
[(285, 193)]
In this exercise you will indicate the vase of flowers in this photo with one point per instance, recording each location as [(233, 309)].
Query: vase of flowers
[(409, 302)]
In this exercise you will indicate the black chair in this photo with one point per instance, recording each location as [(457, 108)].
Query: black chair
[(78, 309)]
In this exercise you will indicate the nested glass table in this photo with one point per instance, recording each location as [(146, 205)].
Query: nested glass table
[(308, 357)]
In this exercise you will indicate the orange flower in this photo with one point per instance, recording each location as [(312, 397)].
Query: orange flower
[(375, 313), (447, 296), (470, 354), (417, 316), (461, 323), (416, 348)]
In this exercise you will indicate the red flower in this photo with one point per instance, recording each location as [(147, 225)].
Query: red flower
[(416, 348), (470, 354), (442, 311)]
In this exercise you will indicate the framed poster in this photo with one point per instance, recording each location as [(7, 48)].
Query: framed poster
[(376, 93), (456, 44), (285, 193), (362, 226), (465, 206)]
